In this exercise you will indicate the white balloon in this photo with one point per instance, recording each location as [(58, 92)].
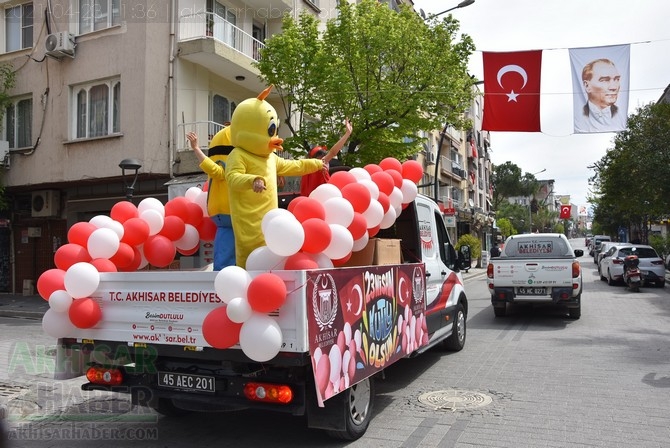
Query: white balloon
[(374, 214), (60, 301), (144, 260), (263, 259), (154, 219), (285, 236), (81, 280), (335, 356), (323, 261), (189, 240), (239, 310), (57, 325), (388, 219), (409, 191), (324, 192), (260, 337), (231, 282), (396, 198), (100, 221), (371, 186), (103, 243), (116, 226), (151, 204), (360, 173), (339, 211), (201, 200), (272, 214), (360, 243), (192, 194), (341, 243)]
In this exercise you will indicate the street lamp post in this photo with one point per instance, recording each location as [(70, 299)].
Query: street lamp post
[(462, 4), (130, 164)]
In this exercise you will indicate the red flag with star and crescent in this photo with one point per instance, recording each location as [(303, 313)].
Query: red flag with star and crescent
[(512, 91), (566, 211)]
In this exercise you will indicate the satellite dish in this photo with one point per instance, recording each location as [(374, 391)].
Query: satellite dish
[(471, 202), (423, 14)]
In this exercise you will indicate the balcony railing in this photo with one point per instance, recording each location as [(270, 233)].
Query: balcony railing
[(210, 25), (204, 129)]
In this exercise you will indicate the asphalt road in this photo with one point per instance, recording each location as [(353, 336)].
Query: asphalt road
[(534, 378)]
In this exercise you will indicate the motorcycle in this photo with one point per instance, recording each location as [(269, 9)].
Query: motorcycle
[(632, 276)]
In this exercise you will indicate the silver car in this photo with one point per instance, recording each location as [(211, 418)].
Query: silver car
[(651, 265)]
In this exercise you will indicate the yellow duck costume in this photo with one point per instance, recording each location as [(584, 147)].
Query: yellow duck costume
[(218, 206), (252, 170)]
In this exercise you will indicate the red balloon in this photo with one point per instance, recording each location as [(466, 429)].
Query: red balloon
[(123, 211), (372, 231), (135, 231), (397, 177), (173, 228), (177, 207), (300, 261), (309, 208), (294, 202), (189, 252), (385, 201), (266, 292), (135, 263), (317, 235), (159, 251), (358, 226), (342, 261), (358, 195), (69, 254), (79, 233), (390, 163), (342, 178), (85, 313), (372, 168), (205, 187), (195, 214), (384, 181), (104, 265), (219, 331), (50, 281), (124, 256), (207, 229), (412, 170)]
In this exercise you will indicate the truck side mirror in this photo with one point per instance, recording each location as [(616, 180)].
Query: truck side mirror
[(579, 253), (464, 258)]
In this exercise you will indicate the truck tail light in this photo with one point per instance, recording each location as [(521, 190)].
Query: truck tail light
[(576, 269), (104, 376), (268, 393), (489, 270)]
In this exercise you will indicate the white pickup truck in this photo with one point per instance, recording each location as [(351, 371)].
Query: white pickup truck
[(340, 327), (537, 268)]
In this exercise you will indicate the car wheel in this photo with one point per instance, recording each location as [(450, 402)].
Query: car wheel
[(660, 284), (358, 401), (500, 310), (575, 313), (456, 341)]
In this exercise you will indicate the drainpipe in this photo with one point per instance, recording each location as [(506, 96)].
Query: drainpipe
[(171, 87)]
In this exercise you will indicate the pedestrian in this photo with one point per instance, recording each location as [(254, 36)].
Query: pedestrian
[(495, 250), (310, 181)]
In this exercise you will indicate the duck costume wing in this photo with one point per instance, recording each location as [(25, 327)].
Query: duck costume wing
[(254, 136), (215, 167)]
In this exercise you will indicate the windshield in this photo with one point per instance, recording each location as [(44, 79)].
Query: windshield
[(641, 252)]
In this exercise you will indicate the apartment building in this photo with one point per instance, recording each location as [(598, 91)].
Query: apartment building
[(102, 81)]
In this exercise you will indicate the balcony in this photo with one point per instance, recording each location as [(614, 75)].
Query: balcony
[(211, 41), (451, 169), (187, 163)]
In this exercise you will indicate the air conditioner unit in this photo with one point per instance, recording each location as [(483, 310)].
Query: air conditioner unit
[(430, 157), (60, 44), (45, 203), (4, 153)]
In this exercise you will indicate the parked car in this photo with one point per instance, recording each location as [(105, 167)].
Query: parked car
[(605, 246), (587, 239), (594, 247), (651, 265)]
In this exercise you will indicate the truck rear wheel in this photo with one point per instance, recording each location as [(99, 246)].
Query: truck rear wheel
[(456, 341), (500, 310), (358, 401)]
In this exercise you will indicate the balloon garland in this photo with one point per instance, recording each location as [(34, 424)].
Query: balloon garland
[(319, 231)]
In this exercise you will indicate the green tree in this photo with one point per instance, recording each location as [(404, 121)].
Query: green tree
[(390, 73), (7, 81), (506, 227), (509, 182)]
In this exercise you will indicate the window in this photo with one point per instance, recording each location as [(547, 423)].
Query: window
[(97, 15), (19, 123), (224, 23), (19, 27), (98, 109)]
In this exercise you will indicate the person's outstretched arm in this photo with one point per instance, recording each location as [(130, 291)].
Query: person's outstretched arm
[(340, 143)]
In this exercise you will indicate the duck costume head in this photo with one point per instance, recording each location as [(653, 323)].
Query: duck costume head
[(254, 129)]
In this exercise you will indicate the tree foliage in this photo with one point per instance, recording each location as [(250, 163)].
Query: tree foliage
[(390, 73), (7, 81), (626, 193), (508, 182)]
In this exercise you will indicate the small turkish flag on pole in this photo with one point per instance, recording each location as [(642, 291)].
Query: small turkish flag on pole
[(566, 210), (512, 91)]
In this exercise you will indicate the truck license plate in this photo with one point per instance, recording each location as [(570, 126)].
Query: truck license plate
[(187, 382), (532, 291)]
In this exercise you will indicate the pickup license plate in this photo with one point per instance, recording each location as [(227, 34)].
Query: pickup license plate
[(187, 382), (531, 291)]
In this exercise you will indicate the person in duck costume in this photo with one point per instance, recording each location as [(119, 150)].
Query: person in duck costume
[(218, 206), (252, 170)]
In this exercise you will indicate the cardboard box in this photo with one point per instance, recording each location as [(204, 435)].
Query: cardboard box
[(377, 252)]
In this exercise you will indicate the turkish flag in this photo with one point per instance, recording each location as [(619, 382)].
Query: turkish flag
[(566, 210), (512, 91)]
